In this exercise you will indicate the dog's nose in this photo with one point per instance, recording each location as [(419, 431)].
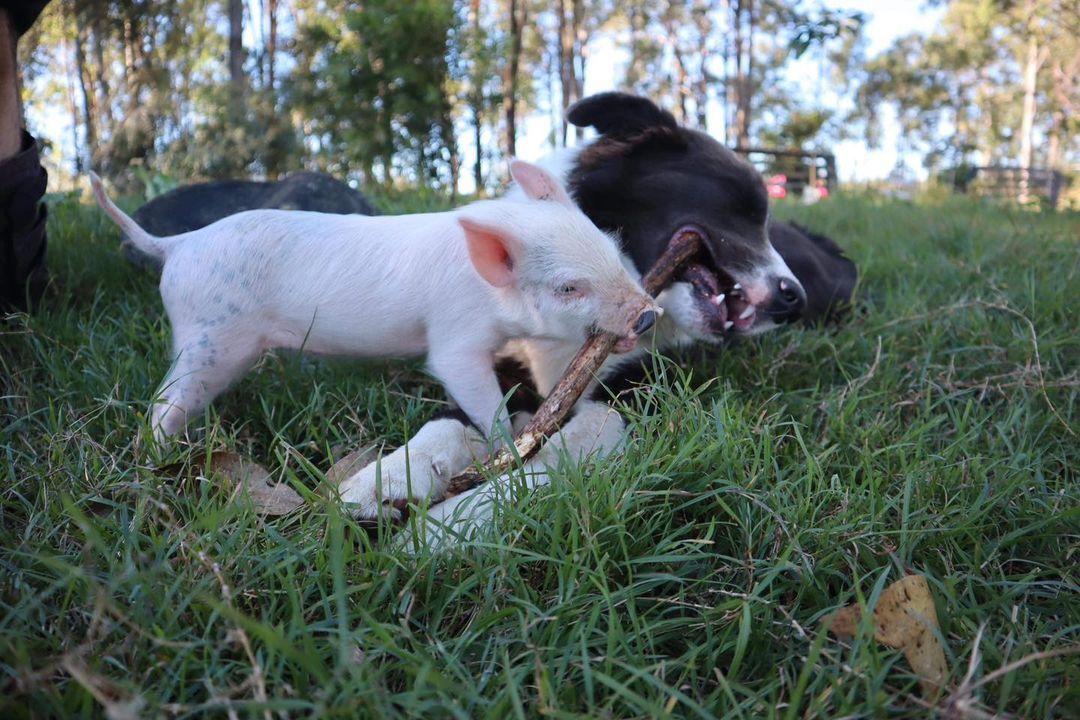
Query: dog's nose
[(644, 322), (789, 300)]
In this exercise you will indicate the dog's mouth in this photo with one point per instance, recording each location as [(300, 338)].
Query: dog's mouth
[(720, 299)]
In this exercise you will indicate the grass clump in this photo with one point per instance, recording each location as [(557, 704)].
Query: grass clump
[(935, 431)]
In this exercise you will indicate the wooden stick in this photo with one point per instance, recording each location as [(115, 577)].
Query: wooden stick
[(684, 244)]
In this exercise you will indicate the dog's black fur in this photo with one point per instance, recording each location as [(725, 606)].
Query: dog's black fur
[(646, 176), (826, 273), (192, 207)]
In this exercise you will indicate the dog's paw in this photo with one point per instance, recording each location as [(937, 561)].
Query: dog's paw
[(385, 487)]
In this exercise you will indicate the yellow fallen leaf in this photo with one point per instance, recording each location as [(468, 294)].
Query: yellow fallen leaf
[(252, 479), (904, 618)]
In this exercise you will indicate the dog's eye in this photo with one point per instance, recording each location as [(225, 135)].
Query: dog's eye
[(566, 290)]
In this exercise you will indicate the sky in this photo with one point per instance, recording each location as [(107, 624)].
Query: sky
[(886, 20)]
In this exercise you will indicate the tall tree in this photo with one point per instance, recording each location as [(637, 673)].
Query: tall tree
[(984, 88), (271, 46), (82, 40), (236, 59), (480, 59), (518, 16), (374, 94), (742, 84)]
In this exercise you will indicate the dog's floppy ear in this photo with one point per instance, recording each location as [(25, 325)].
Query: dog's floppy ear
[(618, 114), (538, 183), (492, 250)]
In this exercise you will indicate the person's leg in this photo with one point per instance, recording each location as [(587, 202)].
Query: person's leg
[(10, 108), (22, 179)]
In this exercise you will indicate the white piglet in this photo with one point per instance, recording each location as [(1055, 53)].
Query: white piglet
[(455, 285)]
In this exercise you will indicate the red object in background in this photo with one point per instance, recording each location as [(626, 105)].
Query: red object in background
[(777, 186)]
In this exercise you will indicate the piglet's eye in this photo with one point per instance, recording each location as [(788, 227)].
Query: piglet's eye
[(571, 289)]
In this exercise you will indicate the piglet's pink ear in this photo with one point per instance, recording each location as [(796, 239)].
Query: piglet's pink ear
[(538, 183), (491, 251)]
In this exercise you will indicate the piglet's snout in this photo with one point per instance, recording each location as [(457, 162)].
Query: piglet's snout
[(645, 321), (633, 317), (641, 317)]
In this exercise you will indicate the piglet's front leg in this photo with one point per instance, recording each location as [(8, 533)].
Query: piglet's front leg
[(414, 472), (470, 379)]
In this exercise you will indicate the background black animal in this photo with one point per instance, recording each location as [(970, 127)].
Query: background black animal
[(194, 206)]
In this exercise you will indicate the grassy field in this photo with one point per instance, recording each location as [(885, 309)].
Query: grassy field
[(934, 432)]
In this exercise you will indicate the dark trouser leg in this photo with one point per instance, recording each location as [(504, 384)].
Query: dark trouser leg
[(22, 179), (22, 227)]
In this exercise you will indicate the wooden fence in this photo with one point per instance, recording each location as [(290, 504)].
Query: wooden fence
[(801, 167), (1013, 183)]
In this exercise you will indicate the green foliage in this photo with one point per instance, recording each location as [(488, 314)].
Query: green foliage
[(154, 184), (808, 30), (374, 94), (799, 130), (958, 91), (768, 484)]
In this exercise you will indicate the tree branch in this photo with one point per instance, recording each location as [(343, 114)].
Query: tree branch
[(684, 244)]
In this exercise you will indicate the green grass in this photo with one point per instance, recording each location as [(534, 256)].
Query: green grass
[(934, 432)]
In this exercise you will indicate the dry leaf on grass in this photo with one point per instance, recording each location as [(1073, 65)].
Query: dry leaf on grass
[(350, 464), (247, 476), (904, 618)]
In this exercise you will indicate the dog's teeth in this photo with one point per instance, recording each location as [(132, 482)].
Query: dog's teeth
[(728, 325), (737, 286), (747, 312), (718, 299)]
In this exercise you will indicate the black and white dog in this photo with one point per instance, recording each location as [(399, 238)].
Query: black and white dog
[(643, 178)]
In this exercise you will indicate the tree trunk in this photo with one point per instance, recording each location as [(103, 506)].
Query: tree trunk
[(236, 59), (633, 73), (567, 82), (478, 169), (518, 16), (747, 90), (82, 37), (476, 96), (1053, 142), (581, 40), (744, 69), (701, 86), (1027, 120), (104, 94), (455, 157), (129, 59), (682, 84), (728, 88), (73, 107), (740, 72), (271, 46)]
